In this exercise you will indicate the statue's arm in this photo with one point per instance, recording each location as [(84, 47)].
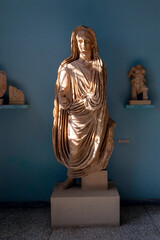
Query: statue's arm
[(64, 92), (130, 74), (132, 71)]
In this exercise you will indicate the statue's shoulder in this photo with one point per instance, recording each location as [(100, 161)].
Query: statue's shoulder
[(63, 68), (69, 67), (72, 65), (66, 70)]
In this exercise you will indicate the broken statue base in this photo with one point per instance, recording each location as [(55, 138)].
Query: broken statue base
[(86, 206)]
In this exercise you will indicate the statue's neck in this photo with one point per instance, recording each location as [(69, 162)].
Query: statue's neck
[(85, 57)]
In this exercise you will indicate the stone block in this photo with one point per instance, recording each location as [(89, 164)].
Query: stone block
[(95, 181), (75, 207)]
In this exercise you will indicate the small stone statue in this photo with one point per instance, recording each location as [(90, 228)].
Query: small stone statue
[(138, 84), (3, 85), (16, 96), (83, 131)]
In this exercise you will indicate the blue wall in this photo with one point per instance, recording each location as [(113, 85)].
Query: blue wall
[(34, 39)]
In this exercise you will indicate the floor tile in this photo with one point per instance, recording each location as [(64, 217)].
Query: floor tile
[(137, 223), (154, 213), (24, 223)]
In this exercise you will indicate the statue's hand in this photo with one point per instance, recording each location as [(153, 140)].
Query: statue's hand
[(64, 99)]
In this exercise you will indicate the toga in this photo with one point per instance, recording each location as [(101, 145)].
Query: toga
[(83, 130)]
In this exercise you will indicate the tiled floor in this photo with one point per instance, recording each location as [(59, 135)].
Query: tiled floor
[(137, 222)]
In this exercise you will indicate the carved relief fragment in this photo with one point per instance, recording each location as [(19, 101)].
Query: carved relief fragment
[(16, 96)]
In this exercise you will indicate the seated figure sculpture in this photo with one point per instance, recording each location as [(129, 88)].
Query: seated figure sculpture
[(83, 131)]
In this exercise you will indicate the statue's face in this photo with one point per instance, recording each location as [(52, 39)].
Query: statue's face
[(84, 44)]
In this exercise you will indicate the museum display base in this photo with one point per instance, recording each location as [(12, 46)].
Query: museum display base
[(95, 181), (16, 103), (140, 102), (78, 207), (135, 107)]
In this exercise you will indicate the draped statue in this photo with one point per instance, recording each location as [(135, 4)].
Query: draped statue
[(138, 82), (83, 131)]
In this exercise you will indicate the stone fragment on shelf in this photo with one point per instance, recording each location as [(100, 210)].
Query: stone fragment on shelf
[(16, 96), (3, 85)]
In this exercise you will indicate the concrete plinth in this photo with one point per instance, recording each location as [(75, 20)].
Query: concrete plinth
[(76, 207)]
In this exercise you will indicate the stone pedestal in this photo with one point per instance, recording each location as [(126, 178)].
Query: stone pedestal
[(76, 207), (95, 181), (140, 102)]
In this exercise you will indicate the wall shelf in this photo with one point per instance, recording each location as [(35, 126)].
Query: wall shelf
[(134, 107), (7, 106)]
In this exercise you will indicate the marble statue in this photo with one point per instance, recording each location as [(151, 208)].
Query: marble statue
[(83, 131), (16, 96), (3, 85), (138, 82)]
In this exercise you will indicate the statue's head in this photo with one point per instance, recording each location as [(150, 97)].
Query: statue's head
[(85, 43), (83, 33), (89, 35)]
